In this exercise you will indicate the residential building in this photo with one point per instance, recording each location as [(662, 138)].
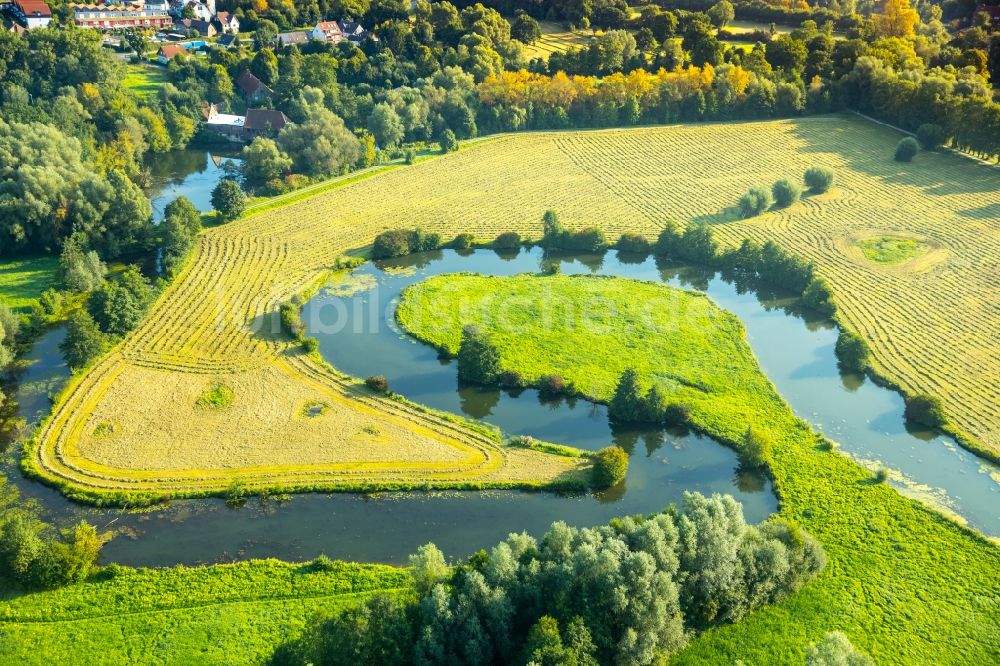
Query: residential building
[(228, 41), (328, 31), (251, 88), (353, 31), (297, 37), (243, 129), (203, 10), (119, 17), (226, 23), (31, 13), (203, 28), (168, 52)]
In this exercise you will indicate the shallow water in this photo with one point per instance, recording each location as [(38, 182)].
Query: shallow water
[(192, 172), (795, 352)]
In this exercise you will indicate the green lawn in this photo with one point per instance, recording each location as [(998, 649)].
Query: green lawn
[(22, 281), (905, 584), (891, 250), (145, 79), (225, 614)]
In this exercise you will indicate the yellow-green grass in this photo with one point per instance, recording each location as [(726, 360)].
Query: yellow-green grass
[(205, 327), (22, 281), (145, 79), (904, 583), (891, 249), (225, 614), (555, 39)]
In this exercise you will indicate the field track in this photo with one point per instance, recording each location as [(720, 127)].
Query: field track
[(215, 323)]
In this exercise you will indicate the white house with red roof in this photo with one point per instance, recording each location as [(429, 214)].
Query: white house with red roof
[(31, 13), (328, 31)]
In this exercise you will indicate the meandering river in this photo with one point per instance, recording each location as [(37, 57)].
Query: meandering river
[(358, 335)]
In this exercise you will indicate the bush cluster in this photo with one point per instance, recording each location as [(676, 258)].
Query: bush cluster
[(633, 403), (478, 357), (906, 149), (931, 136), (852, 352), (634, 243), (557, 237), (400, 242), (508, 240), (610, 467), (463, 241), (756, 200), (819, 179), (926, 410), (785, 192), (378, 383)]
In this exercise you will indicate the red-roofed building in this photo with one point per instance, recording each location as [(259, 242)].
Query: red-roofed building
[(168, 52), (328, 31), (31, 13), (251, 88)]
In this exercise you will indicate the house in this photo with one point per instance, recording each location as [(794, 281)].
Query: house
[(31, 13), (228, 41), (14, 27), (168, 52), (328, 31), (297, 37), (226, 23), (203, 28), (243, 129), (251, 88), (119, 17), (264, 122), (353, 31), (203, 10), (992, 11)]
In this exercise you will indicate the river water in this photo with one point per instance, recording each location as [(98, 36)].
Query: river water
[(359, 337)]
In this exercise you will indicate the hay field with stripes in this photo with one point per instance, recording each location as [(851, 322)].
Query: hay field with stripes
[(133, 422)]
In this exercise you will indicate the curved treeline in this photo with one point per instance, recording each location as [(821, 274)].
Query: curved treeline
[(629, 592)]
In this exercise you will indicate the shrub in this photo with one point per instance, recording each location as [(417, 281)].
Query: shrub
[(392, 243), (785, 192), (610, 466), (291, 320), (757, 446), (510, 379), (478, 358), (669, 240), (551, 385), (836, 649), (424, 241), (633, 243), (819, 179), (817, 296), (677, 414), (926, 410), (322, 563), (449, 143), (310, 344), (755, 201), (410, 156), (852, 352), (931, 136), (881, 475), (906, 149), (463, 241), (508, 240), (590, 239), (378, 383)]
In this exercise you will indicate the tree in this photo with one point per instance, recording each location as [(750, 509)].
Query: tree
[(321, 145), (931, 136), (610, 466), (785, 192), (525, 29), (897, 19), (84, 341), (721, 13), (836, 650), (787, 53), (228, 199), (906, 149), (449, 143), (818, 296), (263, 161), (137, 40), (265, 35), (118, 305), (757, 444), (265, 66), (428, 568), (185, 212), (852, 351), (478, 357), (78, 270), (627, 404), (927, 410), (386, 125), (756, 200), (818, 179)]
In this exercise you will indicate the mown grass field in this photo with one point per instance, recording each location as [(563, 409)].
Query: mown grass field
[(214, 323), (22, 281), (144, 79), (904, 583), (225, 614), (555, 39)]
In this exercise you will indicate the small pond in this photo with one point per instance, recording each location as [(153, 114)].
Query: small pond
[(358, 335), (191, 172)]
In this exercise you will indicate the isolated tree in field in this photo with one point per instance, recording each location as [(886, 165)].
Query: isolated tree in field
[(386, 125), (428, 567), (264, 161), (610, 466), (818, 179), (852, 352), (228, 199), (836, 650), (478, 357), (449, 143), (906, 149), (525, 29), (785, 192), (926, 410), (756, 200), (932, 136), (721, 13), (84, 341)]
